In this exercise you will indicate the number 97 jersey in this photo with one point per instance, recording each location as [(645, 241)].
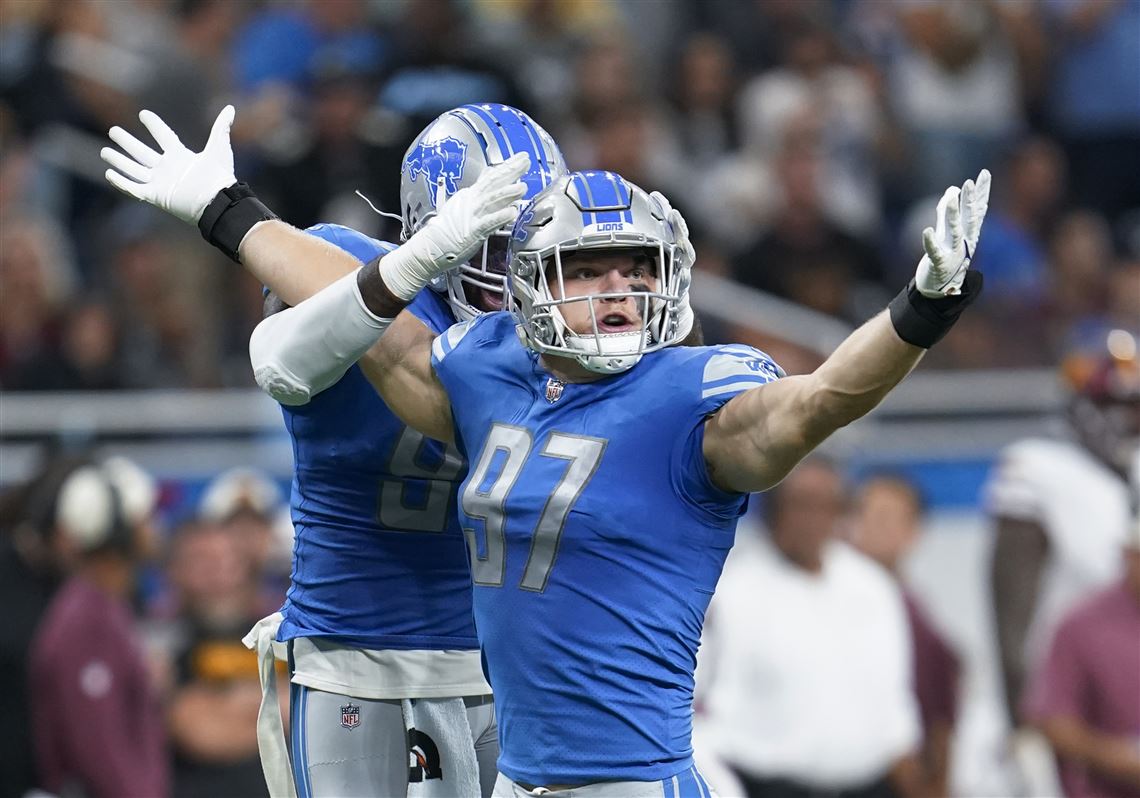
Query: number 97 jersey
[(596, 538), (378, 561)]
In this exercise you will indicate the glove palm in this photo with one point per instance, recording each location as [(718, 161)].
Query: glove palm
[(177, 180), (460, 226), (950, 245)]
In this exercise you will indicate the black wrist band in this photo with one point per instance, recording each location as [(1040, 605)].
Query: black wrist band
[(922, 321), (230, 215)]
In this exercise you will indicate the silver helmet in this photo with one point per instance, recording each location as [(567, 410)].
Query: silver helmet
[(599, 211), (450, 154)]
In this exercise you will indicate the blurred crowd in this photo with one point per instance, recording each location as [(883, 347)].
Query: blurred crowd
[(122, 643), (806, 142), (801, 138)]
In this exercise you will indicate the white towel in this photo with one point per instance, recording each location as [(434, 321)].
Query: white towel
[(271, 744), (441, 749)]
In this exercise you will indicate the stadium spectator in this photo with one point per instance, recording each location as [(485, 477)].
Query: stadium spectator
[(1093, 103), (159, 303), (1014, 248), (29, 576), (97, 721), (37, 280), (805, 255), (758, 30), (807, 641), (282, 45), (1080, 261), (702, 99), (955, 87), (344, 150), (215, 700), (887, 525), (542, 40), (1085, 695), (86, 357), (437, 64), (246, 503), (187, 65), (812, 79)]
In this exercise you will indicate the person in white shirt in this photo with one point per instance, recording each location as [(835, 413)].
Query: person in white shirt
[(805, 673)]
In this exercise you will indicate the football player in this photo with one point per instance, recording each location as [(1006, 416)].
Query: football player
[(1060, 508), (378, 618), (608, 468)]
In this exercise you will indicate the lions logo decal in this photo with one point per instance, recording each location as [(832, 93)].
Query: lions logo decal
[(440, 162)]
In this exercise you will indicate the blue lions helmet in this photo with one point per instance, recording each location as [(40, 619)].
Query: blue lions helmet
[(450, 154), (594, 211)]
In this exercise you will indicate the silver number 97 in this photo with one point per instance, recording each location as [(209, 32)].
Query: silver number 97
[(582, 453)]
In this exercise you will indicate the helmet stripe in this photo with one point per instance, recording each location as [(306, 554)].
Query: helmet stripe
[(546, 168), (604, 197), (505, 149), (479, 136), (512, 135)]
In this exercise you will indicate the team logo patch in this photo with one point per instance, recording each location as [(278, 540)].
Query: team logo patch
[(423, 757), (554, 389), (350, 716), (526, 217), (440, 162)]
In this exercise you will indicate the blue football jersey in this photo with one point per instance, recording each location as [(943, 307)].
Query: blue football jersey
[(379, 561), (597, 538)]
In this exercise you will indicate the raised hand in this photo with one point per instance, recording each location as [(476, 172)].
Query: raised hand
[(461, 224), (949, 246), (173, 178)]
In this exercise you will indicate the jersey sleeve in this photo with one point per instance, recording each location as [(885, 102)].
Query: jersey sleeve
[(363, 248), (427, 306), (432, 309), (447, 341), (727, 372)]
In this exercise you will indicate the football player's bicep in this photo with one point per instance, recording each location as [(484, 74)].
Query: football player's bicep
[(399, 368), (753, 441)]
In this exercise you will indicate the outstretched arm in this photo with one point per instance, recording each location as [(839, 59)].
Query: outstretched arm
[(307, 348), (200, 188), (759, 436)]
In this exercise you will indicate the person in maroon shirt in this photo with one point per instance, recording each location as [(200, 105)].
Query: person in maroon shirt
[(97, 725), (887, 524), (1085, 696)]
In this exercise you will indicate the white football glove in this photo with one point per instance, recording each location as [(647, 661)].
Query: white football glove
[(950, 245), (688, 256), (177, 180), (460, 226)]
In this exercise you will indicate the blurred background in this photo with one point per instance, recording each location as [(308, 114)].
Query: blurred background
[(806, 142)]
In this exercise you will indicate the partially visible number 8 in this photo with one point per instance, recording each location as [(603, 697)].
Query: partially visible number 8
[(395, 509)]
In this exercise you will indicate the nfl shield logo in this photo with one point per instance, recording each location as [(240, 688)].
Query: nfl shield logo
[(350, 716), (554, 390)]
